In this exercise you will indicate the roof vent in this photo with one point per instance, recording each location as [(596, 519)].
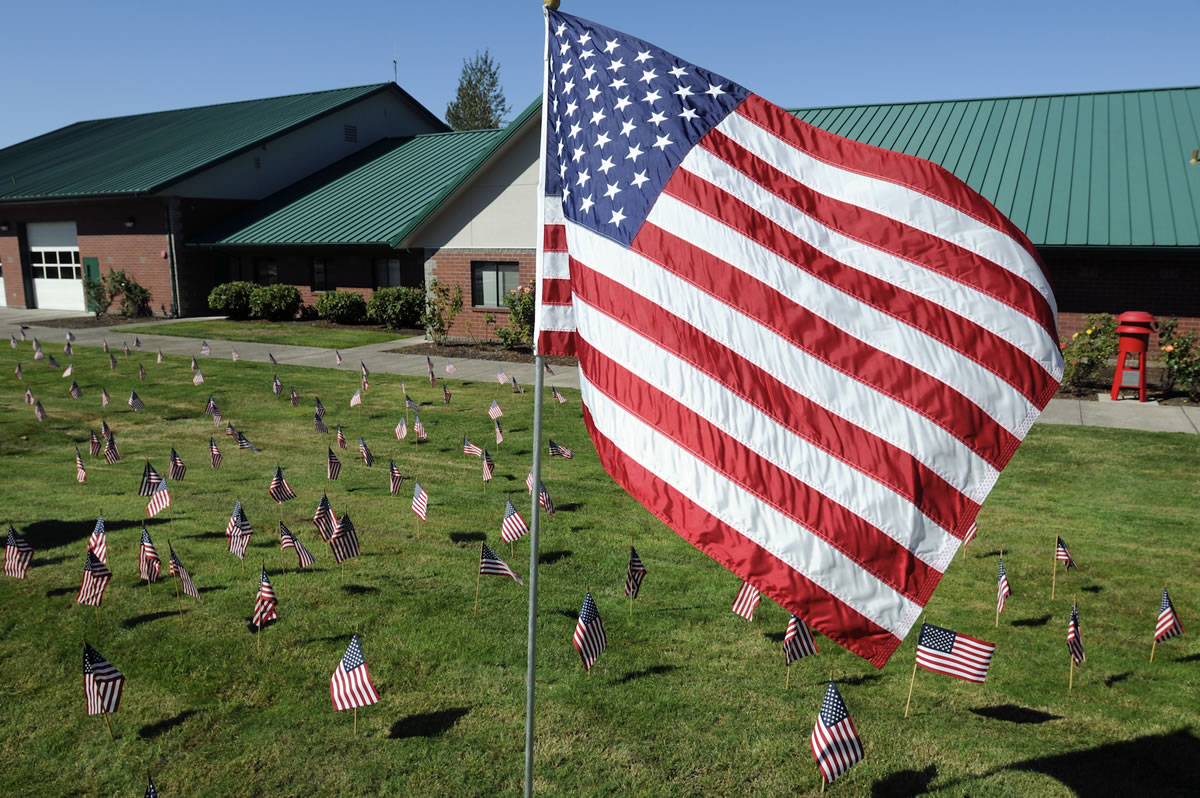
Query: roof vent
[(350, 133)]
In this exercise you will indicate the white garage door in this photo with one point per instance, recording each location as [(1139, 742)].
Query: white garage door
[(57, 273)]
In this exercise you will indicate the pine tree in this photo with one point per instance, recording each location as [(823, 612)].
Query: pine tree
[(480, 103)]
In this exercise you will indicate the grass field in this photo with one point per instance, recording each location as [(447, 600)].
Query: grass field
[(687, 700), (269, 332)]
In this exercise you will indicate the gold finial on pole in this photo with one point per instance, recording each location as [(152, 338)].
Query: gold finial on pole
[(551, 4)]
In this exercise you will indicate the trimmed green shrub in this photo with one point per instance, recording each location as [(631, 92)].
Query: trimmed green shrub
[(1181, 355), (232, 299), (135, 299), (342, 307), (398, 307), (278, 302)]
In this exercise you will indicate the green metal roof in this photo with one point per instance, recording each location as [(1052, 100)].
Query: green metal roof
[(146, 152), (374, 197), (1099, 169)]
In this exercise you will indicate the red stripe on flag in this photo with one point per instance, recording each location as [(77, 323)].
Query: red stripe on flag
[(914, 173), (874, 551), (882, 461), (744, 557), (889, 235), (557, 342), (556, 292), (555, 238), (934, 320)]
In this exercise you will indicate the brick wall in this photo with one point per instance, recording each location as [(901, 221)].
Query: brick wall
[(453, 266)]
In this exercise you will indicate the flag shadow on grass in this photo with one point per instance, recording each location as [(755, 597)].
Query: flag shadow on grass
[(151, 730), (61, 591), (1011, 713), (904, 783), (1189, 658), (137, 620), (359, 590), (1117, 678), (427, 724), (467, 537), (552, 557), (854, 681), (654, 670), (1149, 765), (51, 534), (1039, 621), (40, 561), (987, 554)]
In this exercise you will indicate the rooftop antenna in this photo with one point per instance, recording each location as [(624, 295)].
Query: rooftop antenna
[(395, 77)]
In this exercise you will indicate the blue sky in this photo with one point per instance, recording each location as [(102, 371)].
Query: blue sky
[(69, 61)]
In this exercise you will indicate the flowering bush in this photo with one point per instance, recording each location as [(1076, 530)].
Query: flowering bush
[(442, 305), (520, 317), (1181, 357), (1088, 351)]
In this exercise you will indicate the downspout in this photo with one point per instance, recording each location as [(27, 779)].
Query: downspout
[(175, 311)]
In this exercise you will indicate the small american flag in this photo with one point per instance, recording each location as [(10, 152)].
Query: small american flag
[(289, 541), (334, 465), (271, 357), (135, 402), (395, 479), (972, 531), (319, 424), (276, 386), (210, 406), (544, 499), (445, 394), (125, 348), (501, 377), (401, 430), (17, 555), (634, 574), (194, 365), (68, 350), (198, 377), (494, 411), (341, 438), (215, 453), (280, 490), (513, 527), (151, 792), (320, 408), (337, 357), (450, 369), (499, 433), (368, 458), (747, 599), (159, 357), (98, 542), (102, 683), (74, 391), (324, 519), (1168, 625), (265, 604), (95, 442), (294, 397), (185, 579), (111, 453), (344, 540), (52, 363), (420, 502), (835, 743), (234, 354), (954, 654), (489, 467), (238, 531), (409, 403), (149, 565), (20, 374), (39, 412), (546, 366), (797, 641), (350, 686), (112, 361), (561, 451), (28, 396), (177, 470), (419, 428), (137, 343), (230, 432), (356, 400), (70, 337), (158, 500), (80, 471), (362, 368), (105, 430), (489, 563), (1074, 637), (589, 639), (517, 387), (95, 579), (1063, 555), (244, 443), (471, 449), (1003, 591), (141, 372), (554, 393), (429, 365), (150, 480), (69, 370)]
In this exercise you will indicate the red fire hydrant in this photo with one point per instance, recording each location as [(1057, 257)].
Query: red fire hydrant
[(1134, 331)]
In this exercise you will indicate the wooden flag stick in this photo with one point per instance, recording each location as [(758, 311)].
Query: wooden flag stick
[(109, 722), (478, 575), (343, 564), (1071, 678), (911, 682), (787, 682), (1054, 568), (1152, 647)]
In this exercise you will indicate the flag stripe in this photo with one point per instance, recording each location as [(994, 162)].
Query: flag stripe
[(765, 406), (833, 607)]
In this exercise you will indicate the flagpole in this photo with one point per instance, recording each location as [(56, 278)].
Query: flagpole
[(1152, 647), (539, 386)]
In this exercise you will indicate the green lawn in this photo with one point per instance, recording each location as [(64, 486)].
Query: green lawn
[(687, 700), (269, 332)]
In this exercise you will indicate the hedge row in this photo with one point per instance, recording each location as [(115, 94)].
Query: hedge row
[(397, 307)]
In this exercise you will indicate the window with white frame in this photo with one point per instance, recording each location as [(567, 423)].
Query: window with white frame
[(55, 263), (491, 280)]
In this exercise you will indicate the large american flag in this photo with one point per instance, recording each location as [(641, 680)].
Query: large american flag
[(102, 683), (350, 686), (96, 577), (808, 356), (17, 555), (1168, 625), (835, 742), (589, 639), (958, 655)]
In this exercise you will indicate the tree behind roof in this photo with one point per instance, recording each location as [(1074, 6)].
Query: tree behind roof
[(480, 103)]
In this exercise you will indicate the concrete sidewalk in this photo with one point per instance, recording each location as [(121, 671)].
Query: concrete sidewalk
[(1123, 414)]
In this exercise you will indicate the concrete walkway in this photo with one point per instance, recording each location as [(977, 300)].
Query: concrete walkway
[(1123, 414)]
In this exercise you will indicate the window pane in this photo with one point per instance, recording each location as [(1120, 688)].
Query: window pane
[(52, 272), (76, 254), (36, 257), (78, 273), (318, 274), (39, 271), (50, 257), (66, 256), (511, 276)]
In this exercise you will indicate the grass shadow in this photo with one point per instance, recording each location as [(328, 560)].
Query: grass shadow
[(551, 557), (38, 562), (1011, 713), (987, 554), (138, 620), (1117, 678), (467, 537), (1189, 658), (572, 614), (427, 724), (206, 535), (774, 636), (61, 591), (568, 507), (359, 590), (52, 534), (211, 589), (1147, 765), (330, 639), (904, 783), (1039, 621), (854, 681), (1092, 589), (152, 730), (654, 670)]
